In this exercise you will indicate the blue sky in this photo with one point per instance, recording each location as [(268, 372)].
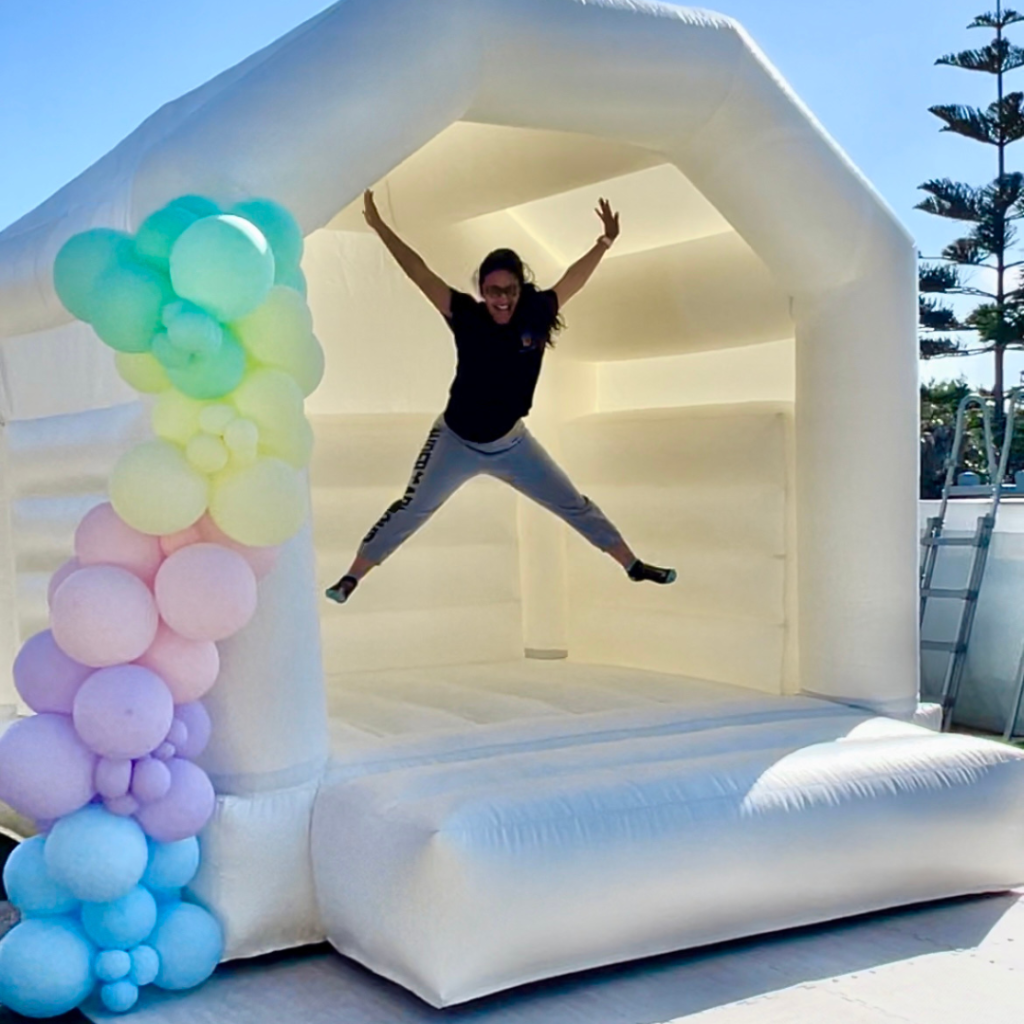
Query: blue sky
[(76, 77)]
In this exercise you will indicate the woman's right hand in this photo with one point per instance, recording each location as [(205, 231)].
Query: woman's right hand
[(370, 212)]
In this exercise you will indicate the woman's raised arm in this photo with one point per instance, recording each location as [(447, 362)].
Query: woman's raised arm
[(579, 273)]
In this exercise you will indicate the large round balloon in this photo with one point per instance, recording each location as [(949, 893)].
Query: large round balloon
[(160, 230), (156, 490), (187, 807), (171, 865), (126, 309), (103, 615), (70, 566), (223, 264), (28, 883), (46, 677), (260, 505), (104, 538), (190, 944), (142, 371), (81, 262), (211, 376), (261, 560), (46, 771), (97, 855), (277, 225), (176, 417), (206, 592), (123, 712), (188, 667), (45, 967), (121, 923)]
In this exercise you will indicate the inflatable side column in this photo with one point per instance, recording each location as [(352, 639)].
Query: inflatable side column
[(206, 310)]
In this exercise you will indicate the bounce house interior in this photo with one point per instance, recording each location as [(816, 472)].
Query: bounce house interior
[(503, 760)]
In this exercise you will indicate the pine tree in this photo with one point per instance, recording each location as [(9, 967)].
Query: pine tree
[(990, 210)]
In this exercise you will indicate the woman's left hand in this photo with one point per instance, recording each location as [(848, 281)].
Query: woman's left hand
[(609, 219)]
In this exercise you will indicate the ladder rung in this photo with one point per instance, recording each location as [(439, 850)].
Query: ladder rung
[(951, 646), (951, 542), (963, 595)]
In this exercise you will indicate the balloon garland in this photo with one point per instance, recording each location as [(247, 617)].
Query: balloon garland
[(206, 311)]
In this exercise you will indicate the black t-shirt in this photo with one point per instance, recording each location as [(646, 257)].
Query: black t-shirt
[(498, 364)]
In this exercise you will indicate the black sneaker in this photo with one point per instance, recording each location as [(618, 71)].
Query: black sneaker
[(342, 590), (640, 571)]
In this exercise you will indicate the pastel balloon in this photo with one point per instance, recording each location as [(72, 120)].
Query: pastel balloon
[(142, 371), (277, 225), (176, 417), (206, 592), (215, 419), (292, 277), (192, 330), (97, 855), (127, 305), (208, 454), (46, 771), (211, 376), (46, 677), (113, 777), (167, 354), (161, 229), (198, 727), (188, 667), (273, 401), (121, 923), (171, 865), (145, 966), (151, 780), (119, 996), (242, 439), (190, 944), (104, 538), (30, 887), (261, 560), (81, 262), (123, 806), (223, 264), (156, 490), (261, 505), (123, 712), (70, 566), (176, 541), (103, 615), (185, 809), (45, 967), (112, 965)]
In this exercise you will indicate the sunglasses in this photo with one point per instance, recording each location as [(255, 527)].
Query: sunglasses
[(492, 291)]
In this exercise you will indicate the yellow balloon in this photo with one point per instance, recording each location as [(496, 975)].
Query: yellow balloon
[(242, 438), (176, 417), (215, 418), (142, 371), (154, 489), (292, 442), (270, 398), (207, 453), (307, 364), (262, 504)]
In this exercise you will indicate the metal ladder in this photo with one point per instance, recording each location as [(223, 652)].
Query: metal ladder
[(934, 538)]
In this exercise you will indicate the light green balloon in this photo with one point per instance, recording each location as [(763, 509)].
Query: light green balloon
[(127, 305), (160, 230), (278, 226), (223, 264), (207, 377), (169, 355), (82, 260), (192, 330)]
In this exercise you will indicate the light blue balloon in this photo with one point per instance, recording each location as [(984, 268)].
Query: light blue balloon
[(171, 865), (29, 884), (192, 330), (112, 965), (292, 277), (190, 944), (278, 226), (223, 264), (145, 966), (206, 377), (82, 260), (123, 923), (119, 996), (45, 967), (126, 309), (97, 855)]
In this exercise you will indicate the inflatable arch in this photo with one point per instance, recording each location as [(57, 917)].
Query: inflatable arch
[(737, 386)]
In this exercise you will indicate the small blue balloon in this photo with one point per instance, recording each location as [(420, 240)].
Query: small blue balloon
[(126, 310), (119, 996), (122, 923), (45, 967), (82, 260), (145, 966), (214, 376), (190, 944), (279, 228), (192, 330), (112, 965), (29, 884), (171, 865), (97, 855)]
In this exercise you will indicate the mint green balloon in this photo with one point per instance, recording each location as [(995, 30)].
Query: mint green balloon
[(160, 230), (82, 260), (223, 264), (192, 330), (291, 277), (278, 225), (199, 205), (169, 357), (206, 377), (127, 305)]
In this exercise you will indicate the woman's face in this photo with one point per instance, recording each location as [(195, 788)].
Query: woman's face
[(500, 290)]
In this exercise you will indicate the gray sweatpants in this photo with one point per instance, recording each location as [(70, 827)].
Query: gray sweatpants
[(447, 462)]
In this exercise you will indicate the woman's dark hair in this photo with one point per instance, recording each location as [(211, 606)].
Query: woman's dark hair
[(534, 316)]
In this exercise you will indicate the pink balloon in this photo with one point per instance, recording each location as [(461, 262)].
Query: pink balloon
[(187, 807), (261, 560), (123, 712), (151, 780), (176, 541), (113, 778), (46, 771), (188, 667), (46, 677), (104, 538), (196, 720), (206, 592), (103, 615), (70, 566)]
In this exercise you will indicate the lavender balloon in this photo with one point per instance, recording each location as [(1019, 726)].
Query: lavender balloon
[(186, 808), (46, 677), (151, 780), (196, 721)]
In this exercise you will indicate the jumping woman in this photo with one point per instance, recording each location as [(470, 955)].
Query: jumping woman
[(500, 344)]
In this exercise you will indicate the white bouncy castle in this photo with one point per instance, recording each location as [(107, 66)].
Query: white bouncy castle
[(502, 760)]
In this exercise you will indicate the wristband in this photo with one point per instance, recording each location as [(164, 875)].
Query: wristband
[(605, 241)]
